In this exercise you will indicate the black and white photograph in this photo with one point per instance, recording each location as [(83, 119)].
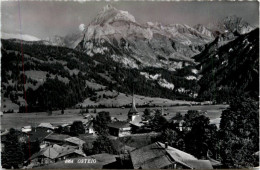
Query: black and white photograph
[(88, 84)]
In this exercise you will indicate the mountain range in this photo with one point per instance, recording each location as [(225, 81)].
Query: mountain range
[(152, 44), (117, 33)]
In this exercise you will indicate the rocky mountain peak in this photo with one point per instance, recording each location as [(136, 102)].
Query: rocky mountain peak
[(231, 24), (203, 30), (109, 14)]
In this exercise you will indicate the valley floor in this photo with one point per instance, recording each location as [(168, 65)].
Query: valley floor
[(18, 120)]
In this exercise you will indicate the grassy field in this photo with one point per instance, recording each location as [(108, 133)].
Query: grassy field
[(18, 120), (116, 99)]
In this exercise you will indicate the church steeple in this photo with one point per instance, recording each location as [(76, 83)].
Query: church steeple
[(133, 111)]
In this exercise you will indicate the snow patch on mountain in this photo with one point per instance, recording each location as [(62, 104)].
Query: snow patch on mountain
[(162, 82), (166, 84), (191, 78), (195, 71), (149, 76)]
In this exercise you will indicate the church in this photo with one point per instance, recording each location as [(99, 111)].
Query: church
[(134, 118)]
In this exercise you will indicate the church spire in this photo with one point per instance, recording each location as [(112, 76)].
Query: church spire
[(133, 110), (133, 101)]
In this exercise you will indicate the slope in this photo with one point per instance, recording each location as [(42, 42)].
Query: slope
[(231, 69)]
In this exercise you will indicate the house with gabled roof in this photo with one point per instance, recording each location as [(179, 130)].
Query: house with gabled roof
[(119, 128), (54, 153), (162, 156)]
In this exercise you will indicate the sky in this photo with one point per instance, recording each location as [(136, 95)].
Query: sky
[(48, 18)]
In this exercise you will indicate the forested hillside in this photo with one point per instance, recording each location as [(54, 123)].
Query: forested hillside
[(57, 77), (230, 69)]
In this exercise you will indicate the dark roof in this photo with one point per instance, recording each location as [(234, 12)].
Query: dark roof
[(75, 140), (156, 156), (57, 151), (47, 152), (71, 151), (38, 134), (89, 125), (150, 157), (132, 110), (57, 137), (119, 124)]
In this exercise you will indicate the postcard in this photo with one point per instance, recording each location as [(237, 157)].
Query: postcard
[(129, 84)]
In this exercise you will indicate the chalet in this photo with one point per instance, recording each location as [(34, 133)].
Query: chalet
[(89, 129), (178, 122), (61, 139), (54, 153), (45, 156), (119, 128), (162, 156)]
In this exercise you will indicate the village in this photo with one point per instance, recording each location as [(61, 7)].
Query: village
[(103, 141)]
